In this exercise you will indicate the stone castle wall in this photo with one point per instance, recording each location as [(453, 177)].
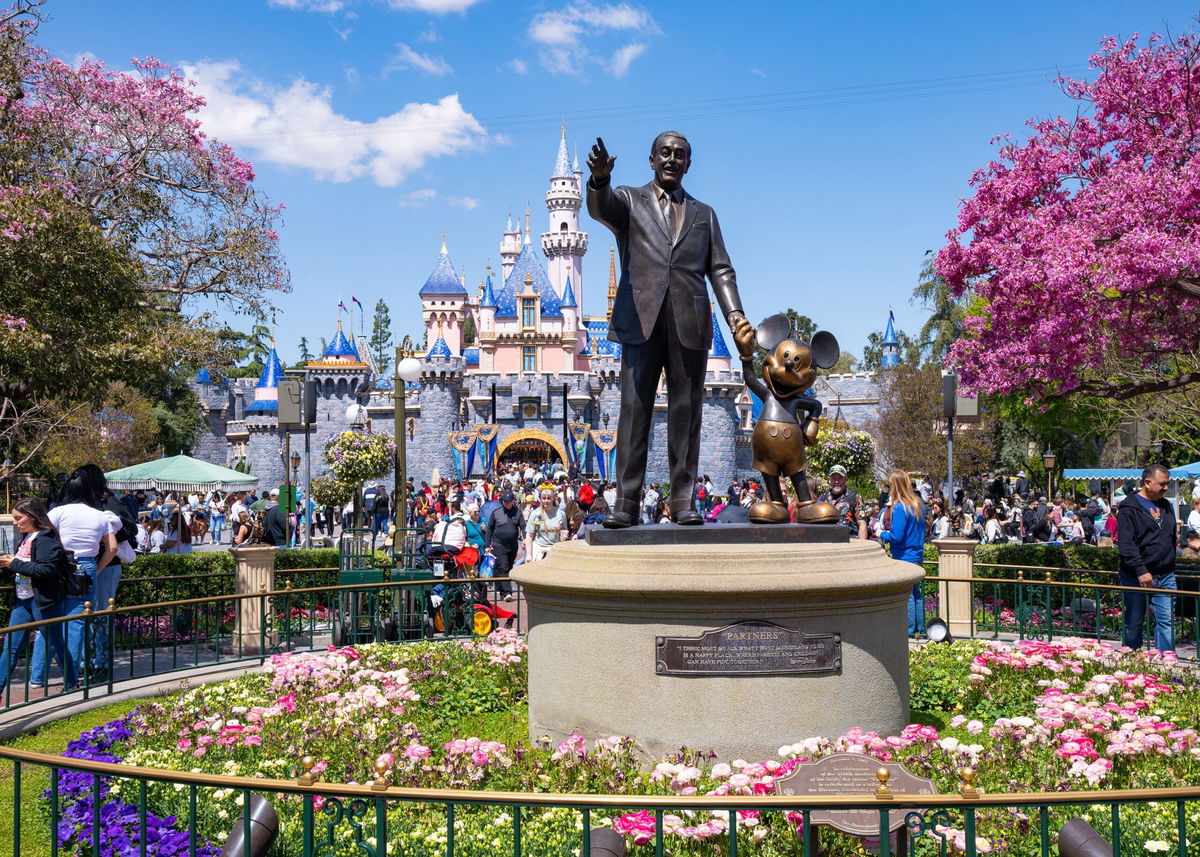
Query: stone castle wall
[(436, 404)]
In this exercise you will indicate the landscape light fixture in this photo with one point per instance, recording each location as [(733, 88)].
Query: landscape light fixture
[(937, 631), (1049, 459)]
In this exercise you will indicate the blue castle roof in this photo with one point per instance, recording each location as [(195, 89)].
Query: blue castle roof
[(443, 280), (568, 298), (471, 356), (489, 298), (889, 332), (202, 377), (719, 348), (598, 344), (891, 345), (440, 348), (340, 346), (527, 263), (272, 373)]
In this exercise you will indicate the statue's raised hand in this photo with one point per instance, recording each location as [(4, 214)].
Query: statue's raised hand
[(600, 162)]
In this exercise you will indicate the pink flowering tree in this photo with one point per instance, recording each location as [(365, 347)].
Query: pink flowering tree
[(1080, 248), (120, 223)]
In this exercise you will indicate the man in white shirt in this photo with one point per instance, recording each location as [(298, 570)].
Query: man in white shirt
[(237, 505)]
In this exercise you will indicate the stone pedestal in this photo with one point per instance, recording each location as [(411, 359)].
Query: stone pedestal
[(597, 613), (254, 566), (956, 561)]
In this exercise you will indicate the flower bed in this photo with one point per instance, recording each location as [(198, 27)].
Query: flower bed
[(1071, 715)]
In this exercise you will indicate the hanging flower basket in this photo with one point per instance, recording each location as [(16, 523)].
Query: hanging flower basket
[(328, 490), (355, 457), (837, 443)]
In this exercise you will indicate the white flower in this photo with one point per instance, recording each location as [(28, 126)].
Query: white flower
[(1156, 846)]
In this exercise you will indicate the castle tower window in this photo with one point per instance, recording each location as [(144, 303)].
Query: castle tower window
[(328, 388), (528, 359), (562, 228), (341, 387), (528, 314)]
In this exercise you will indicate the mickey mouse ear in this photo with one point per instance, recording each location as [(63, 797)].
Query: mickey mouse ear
[(773, 330), (825, 350)]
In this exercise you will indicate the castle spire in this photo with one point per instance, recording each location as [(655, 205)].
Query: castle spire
[(443, 250), (527, 212), (575, 163), (612, 279), (562, 164)]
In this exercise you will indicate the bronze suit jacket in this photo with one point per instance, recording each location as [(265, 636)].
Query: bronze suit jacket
[(655, 268)]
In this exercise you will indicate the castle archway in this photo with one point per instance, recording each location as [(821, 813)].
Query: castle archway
[(530, 445)]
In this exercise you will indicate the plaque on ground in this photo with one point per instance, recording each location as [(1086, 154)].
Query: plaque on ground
[(721, 534), (748, 648), (852, 774)]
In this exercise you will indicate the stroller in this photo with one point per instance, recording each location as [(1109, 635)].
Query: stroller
[(461, 605)]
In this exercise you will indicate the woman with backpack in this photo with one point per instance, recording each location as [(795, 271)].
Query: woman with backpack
[(39, 568), (88, 532)]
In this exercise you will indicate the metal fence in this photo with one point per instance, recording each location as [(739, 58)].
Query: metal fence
[(376, 819)]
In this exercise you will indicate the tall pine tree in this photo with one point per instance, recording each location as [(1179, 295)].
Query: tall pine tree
[(381, 337)]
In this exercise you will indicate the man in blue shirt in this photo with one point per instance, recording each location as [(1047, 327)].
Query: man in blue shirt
[(1146, 542)]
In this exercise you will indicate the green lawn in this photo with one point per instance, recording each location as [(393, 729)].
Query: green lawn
[(52, 738)]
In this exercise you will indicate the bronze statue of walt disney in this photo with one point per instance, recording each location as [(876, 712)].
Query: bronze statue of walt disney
[(781, 433)]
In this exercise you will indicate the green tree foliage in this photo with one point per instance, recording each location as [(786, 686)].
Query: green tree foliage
[(305, 354), (381, 337), (469, 330), (946, 313), (912, 431)]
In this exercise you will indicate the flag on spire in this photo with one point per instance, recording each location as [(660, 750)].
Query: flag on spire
[(342, 306), (355, 300)]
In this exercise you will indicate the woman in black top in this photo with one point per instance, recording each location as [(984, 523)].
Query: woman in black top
[(39, 565)]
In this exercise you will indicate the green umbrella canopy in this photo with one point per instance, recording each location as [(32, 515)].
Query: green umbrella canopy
[(179, 473)]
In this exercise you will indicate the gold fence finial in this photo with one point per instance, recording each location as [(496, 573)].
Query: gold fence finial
[(883, 791), (381, 782), (308, 777), (967, 787)]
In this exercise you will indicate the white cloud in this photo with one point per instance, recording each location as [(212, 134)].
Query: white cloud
[(423, 196), (518, 65), (429, 34), (434, 7), (624, 57), (406, 57), (565, 35), (759, 72), (352, 75), (309, 5), (344, 35), (298, 127)]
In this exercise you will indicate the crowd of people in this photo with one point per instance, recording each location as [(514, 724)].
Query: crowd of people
[(491, 525)]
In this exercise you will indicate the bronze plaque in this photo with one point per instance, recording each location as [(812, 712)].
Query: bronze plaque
[(749, 648), (852, 774)]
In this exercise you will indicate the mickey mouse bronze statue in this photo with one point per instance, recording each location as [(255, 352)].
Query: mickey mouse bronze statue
[(780, 433)]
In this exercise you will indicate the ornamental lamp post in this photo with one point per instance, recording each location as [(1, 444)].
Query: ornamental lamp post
[(407, 370), (1049, 459)]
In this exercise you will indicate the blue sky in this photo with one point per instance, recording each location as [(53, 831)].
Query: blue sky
[(834, 140)]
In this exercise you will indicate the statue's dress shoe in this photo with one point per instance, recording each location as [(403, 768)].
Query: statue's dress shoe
[(687, 518), (618, 521), (769, 512), (816, 513)]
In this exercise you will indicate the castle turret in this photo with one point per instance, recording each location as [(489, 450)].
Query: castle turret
[(719, 358), (891, 345), (444, 303), (563, 243), (266, 391), (612, 280), (510, 247)]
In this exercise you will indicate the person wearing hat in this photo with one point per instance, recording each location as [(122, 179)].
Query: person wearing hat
[(847, 502), (1022, 486), (505, 528)]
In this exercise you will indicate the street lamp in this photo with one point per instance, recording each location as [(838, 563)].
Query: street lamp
[(1048, 461), (407, 370), (295, 467)]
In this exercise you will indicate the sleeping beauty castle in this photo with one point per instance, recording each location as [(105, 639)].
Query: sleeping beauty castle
[(512, 370)]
